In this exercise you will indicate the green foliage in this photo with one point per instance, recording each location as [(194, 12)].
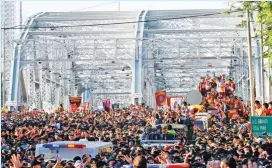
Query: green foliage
[(263, 20)]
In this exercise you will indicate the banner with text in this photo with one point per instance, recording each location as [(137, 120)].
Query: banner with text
[(175, 102), (261, 125)]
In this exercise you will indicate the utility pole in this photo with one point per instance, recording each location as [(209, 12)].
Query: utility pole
[(1, 71), (1, 63), (262, 67), (4, 69), (250, 68), (119, 6), (21, 15)]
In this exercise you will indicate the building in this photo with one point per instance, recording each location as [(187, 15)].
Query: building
[(9, 18)]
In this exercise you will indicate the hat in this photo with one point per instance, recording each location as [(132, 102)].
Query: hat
[(35, 162), (261, 146), (78, 162), (260, 140), (111, 159), (77, 158), (27, 160), (148, 129), (197, 158), (39, 156), (240, 152), (247, 146)]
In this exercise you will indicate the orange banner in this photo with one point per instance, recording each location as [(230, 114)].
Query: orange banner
[(161, 98), (75, 103), (168, 101), (74, 107)]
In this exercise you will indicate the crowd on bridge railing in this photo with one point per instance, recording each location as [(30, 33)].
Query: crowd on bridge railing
[(227, 142)]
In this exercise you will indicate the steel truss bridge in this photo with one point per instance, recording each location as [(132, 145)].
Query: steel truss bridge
[(124, 56)]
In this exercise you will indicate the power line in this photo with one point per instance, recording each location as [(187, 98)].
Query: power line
[(120, 23), (21, 26), (95, 6)]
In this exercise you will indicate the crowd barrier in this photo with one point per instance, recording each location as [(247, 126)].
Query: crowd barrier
[(180, 165)]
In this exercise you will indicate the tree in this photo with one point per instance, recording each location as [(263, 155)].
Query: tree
[(263, 18)]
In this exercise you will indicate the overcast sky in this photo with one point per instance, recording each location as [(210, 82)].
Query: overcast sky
[(32, 7)]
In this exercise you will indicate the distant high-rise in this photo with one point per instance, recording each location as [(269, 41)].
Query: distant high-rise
[(9, 18)]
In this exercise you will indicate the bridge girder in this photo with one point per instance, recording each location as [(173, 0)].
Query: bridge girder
[(58, 53)]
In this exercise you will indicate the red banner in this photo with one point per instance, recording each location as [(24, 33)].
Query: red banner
[(161, 98), (73, 107), (86, 106), (168, 101), (106, 104), (75, 103)]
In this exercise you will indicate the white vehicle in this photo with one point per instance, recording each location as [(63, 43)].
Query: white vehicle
[(202, 114), (158, 143), (156, 139), (68, 150), (203, 117), (177, 127)]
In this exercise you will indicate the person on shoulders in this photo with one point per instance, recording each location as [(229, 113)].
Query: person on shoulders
[(270, 108), (258, 108), (202, 87), (266, 109)]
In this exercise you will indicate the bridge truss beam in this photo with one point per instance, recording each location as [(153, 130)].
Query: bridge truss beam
[(55, 57)]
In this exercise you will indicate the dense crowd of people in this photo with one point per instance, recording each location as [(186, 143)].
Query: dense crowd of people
[(227, 143)]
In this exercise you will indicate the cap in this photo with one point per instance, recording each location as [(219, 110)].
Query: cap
[(77, 158), (158, 126), (248, 147), (77, 163), (111, 159), (39, 156), (197, 158)]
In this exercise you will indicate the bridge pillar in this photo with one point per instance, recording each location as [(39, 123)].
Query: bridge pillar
[(15, 77), (137, 80), (87, 96), (258, 69)]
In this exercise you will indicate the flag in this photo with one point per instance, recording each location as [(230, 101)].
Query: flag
[(161, 98), (106, 104), (169, 101)]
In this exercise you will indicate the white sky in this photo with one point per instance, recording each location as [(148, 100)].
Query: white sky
[(32, 7)]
